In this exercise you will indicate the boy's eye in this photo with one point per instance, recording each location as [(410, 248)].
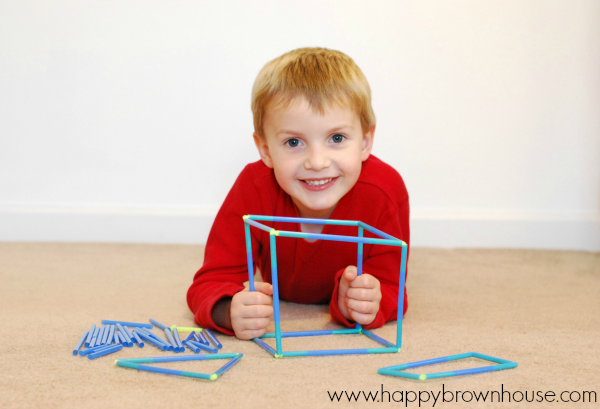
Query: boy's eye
[(293, 142), (337, 138)]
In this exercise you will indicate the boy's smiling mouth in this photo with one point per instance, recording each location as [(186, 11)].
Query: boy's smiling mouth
[(318, 184)]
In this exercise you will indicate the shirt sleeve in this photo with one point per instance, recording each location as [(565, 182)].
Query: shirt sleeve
[(225, 267), (382, 262)]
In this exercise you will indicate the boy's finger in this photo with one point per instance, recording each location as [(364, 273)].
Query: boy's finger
[(256, 324), (365, 281), (250, 334), (264, 288), (257, 311), (256, 298), (362, 319), (350, 273), (362, 294), (363, 307)]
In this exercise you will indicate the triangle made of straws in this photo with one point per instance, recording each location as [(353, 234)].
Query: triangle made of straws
[(141, 364)]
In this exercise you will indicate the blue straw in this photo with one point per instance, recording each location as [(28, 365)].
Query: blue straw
[(192, 347), (126, 328), (401, 285), (152, 340), (166, 371), (100, 335), (204, 347), (201, 338), (212, 337), (378, 339), (179, 358), (190, 336), (156, 338), (292, 334), (158, 324), (94, 349), (304, 220), (249, 256), (106, 351), (177, 340), (90, 335), (265, 346), (275, 294), (333, 237), (377, 232), (94, 338), (326, 352), (138, 340), (171, 340), (125, 336), (129, 324), (111, 335), (105, 335), (258, 225), (81, 341), (229, 364), (119, 340)]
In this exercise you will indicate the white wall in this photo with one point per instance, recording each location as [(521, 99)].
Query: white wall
[(130, 120)]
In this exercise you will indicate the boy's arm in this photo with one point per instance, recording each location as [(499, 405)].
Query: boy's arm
[(225, 267), (383, 262)]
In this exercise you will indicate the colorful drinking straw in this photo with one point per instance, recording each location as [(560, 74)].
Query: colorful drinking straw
[(158, 324), (124, 334), (192, 347), (129, 324), (177, 340), (190, 336), (202, 339), (84, 352), (138, 340), (151, 340), (228, 365), (386, 239), (94, 337), (171, 339), (156, 338), (81, 341), (214, 339), (136, 363), (128, 331), (101, 335), (111, 334), (204, 347), (395, 370), (90, 335), (109, 350)]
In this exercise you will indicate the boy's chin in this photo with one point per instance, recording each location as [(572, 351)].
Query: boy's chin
[(319, 211)]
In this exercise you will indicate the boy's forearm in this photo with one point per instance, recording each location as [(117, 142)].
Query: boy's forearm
[(221, 313)]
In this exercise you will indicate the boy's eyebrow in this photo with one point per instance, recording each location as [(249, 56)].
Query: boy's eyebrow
[(335, 129)]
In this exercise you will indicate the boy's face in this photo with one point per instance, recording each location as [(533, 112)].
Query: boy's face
[(316, 158)]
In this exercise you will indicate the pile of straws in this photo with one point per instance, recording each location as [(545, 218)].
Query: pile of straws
[(115, 335)]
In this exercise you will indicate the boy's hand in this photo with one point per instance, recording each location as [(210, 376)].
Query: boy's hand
[(359, 296), (251, 311)]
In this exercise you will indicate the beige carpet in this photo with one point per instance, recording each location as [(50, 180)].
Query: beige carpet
[(539, 308)]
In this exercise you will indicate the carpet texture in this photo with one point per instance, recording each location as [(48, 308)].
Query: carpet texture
[(538, 308)]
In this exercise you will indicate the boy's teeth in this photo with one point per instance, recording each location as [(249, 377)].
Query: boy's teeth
[(317, 182)]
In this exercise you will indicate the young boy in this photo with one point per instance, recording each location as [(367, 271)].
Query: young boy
[(314, 128)]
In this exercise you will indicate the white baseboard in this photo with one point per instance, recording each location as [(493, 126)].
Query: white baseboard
[(192, 225)]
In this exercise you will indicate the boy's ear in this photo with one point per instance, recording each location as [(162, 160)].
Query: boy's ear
[(367, 143), (263, 150)]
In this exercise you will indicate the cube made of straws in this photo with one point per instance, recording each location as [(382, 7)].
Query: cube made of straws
[(386, 239)]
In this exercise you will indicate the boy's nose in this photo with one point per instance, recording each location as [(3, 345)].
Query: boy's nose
[(316, 160)]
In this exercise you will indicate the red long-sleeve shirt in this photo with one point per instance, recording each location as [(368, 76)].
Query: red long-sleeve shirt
[(308, 272)]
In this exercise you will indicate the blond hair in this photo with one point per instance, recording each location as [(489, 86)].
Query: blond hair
[(324, 77)]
